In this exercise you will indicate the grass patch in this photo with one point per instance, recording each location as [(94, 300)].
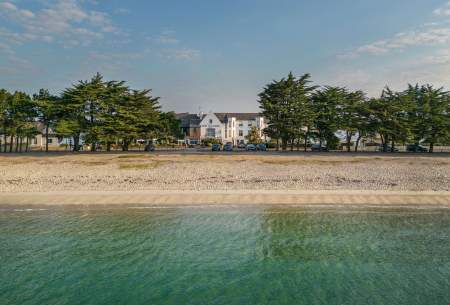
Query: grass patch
[(92, 163), (131, 156), (140, 166)]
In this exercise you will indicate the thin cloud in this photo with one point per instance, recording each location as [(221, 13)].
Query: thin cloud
[(443, 11), (65, 21), (430, 34), (185, 54)]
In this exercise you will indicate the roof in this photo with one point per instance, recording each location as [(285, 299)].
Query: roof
[(41, 128), (242, 116), (188, 119)]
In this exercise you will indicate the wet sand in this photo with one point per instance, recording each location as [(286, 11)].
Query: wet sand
[(274, 197)]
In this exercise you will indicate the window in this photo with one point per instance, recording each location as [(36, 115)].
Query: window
[(50, 141), (240, 124), (249, 124), (241, 133), (35, 141), (210, 132), (210, 121)]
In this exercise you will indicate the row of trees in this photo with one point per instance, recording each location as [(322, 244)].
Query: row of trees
[(98, 112), (297, 112)]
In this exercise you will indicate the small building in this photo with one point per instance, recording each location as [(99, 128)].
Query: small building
[(222, 126)]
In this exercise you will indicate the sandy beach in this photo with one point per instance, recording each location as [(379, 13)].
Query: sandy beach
[(218, 178)]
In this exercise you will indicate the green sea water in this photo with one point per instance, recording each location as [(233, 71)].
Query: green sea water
[(224, 255)]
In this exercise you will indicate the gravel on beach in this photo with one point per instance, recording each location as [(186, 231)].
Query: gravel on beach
[(128, 172)]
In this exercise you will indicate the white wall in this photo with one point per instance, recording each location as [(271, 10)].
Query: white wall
[(210, 121)]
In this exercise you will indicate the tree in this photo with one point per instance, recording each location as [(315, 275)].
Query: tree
[(139, 117), (4, 117), (286, 106), (429, 114), (20, 113), (47, 111), (390, 116), (351, 115), (170, 126), (325, 105), (254, 136)]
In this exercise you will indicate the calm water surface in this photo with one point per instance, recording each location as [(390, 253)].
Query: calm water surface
[(224, 255)]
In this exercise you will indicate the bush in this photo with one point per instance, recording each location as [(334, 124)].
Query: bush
[(333, 142), (210, 142)]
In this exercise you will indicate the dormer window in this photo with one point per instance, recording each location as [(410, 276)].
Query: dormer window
[(210, 121)]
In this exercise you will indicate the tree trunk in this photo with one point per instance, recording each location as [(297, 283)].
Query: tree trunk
[(17, 144), (284, 144), (27, 143), (357, 142), (11, 143), (292, 144), (384, 141), (76, 142), (20, 144), (306, 140), (392, 145), (348, 139), (125, 145), (46, 138), (5, 138), (278, 144), (108, 146)]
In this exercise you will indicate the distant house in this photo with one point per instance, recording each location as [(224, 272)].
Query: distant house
[(190, 126), (225, 127)]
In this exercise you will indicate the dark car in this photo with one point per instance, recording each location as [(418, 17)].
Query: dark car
[(388, 148), (241, 146), (261, 147), (216, 147), (149, 147), (416, 148), (317, 147), (250, 147), (228, 147)]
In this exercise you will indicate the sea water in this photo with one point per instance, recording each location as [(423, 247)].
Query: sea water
[(224, 255)]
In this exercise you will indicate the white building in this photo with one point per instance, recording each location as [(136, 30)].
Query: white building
[(230, 127)]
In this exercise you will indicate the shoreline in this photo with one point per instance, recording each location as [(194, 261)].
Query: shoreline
[(439, 199)]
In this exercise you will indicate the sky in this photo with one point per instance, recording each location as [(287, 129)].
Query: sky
[(217, 55)]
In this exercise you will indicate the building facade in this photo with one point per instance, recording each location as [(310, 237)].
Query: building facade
[(224, 127)]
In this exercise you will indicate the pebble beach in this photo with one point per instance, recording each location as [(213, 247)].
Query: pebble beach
[(129, 172)]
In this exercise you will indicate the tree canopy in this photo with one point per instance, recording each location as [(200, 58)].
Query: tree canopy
[(295, 108)]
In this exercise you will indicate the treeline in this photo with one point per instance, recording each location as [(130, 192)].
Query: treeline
[(298, 112), (98, 112)]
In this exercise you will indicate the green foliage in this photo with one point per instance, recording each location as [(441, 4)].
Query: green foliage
[(210, 142), (286, 105), (110, 114), (254, 136), (103, 114), (293, 108)]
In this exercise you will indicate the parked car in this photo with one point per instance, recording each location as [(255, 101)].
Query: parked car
[(261, 147), (416, 148), (317, 147), (149, 147), (250, 147), (388, 148), (216, 147), (228, 147), (241, 145)]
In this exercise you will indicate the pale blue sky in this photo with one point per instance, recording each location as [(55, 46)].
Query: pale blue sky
[(217, 55)]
